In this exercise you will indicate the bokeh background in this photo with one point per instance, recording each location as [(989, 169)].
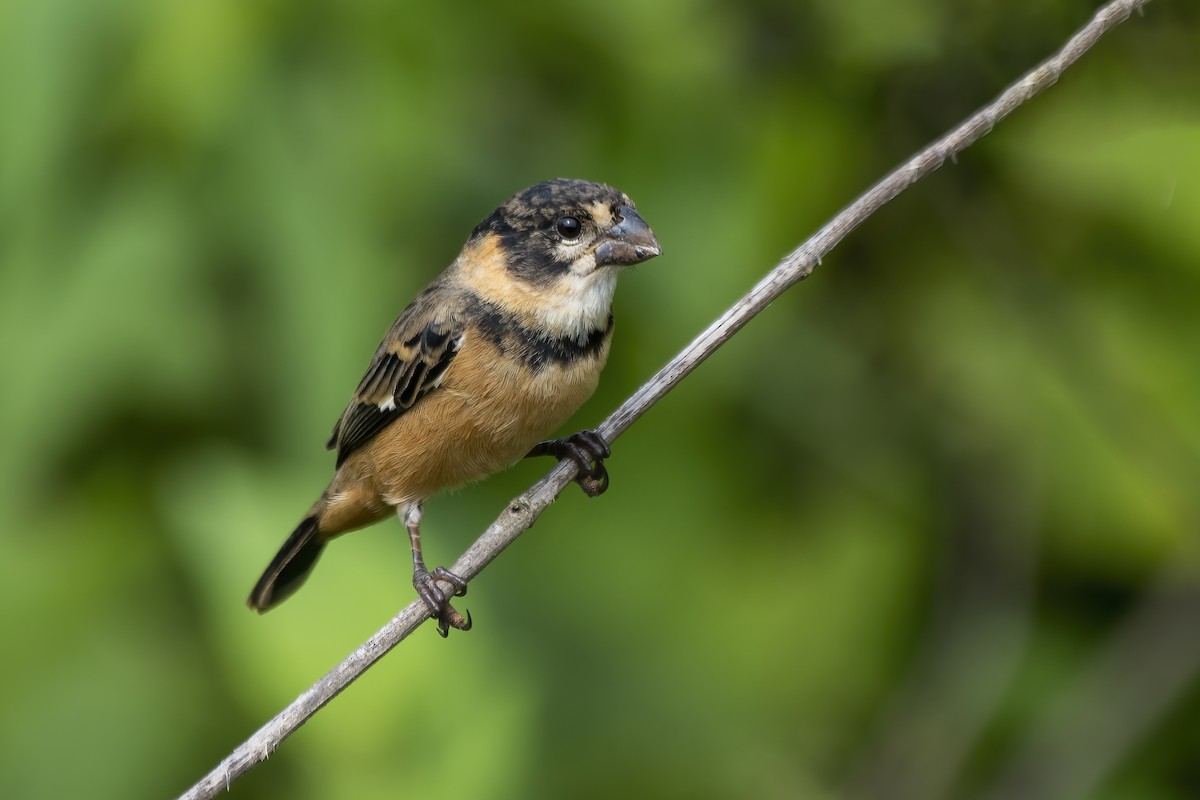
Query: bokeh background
[(927, 528)]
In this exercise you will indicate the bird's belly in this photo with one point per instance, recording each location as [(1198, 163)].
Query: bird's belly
[(470, 428)]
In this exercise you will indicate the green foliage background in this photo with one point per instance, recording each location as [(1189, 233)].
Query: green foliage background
[(926, 528)]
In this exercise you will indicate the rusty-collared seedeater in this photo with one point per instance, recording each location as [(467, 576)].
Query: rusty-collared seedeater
[(495, 354)]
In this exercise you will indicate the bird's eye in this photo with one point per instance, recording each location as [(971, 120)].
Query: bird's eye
[(569, 227)]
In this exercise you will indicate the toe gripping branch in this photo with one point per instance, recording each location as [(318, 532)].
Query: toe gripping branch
[(588, 450), (425, 582), (438, 603)]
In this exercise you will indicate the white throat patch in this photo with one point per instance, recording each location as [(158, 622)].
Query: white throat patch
[(577, 304)]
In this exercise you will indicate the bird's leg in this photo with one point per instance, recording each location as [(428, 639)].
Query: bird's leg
[(425, 582), (588, 450)]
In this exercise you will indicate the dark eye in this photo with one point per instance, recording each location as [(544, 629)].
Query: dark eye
[(569, 227)]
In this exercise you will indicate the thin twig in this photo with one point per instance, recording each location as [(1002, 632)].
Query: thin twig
[(525, 509)]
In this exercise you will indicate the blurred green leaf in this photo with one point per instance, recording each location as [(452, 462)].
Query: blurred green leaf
[(210, 213)]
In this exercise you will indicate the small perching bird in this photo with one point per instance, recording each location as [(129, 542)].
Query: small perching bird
[(495, 354)]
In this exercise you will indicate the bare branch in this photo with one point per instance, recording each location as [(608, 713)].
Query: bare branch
[(525, 509)]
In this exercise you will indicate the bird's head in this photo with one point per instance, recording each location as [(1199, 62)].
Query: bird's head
[(551, 254), (569, 227)]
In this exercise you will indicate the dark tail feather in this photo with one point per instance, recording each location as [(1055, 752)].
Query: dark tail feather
[(288, 568)]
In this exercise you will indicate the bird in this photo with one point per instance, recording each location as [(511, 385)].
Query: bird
[(493, 356)]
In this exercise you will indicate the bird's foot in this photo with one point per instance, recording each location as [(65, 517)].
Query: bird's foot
[(588, 450), (425, 582)]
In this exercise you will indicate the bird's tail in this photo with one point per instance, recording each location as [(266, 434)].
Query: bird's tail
[(289, 567)]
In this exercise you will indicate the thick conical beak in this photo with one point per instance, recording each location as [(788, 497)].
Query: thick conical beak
[(630, 241)]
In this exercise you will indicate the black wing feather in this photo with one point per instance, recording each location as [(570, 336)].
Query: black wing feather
[(402, 372), (381, 375)]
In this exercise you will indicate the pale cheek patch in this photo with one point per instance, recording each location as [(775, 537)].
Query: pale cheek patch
[(602, 215), (584, 265)]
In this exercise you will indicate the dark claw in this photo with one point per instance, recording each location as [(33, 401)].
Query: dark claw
[(594, 442), (581, 457), (437, 602), (443, 574), (427, 588), (594, 485), (587, 449), (453, 619)]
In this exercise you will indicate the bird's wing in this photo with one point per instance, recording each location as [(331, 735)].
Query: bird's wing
[(410, 363)]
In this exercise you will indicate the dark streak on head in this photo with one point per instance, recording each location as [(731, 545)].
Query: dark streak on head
[(525, 224)]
